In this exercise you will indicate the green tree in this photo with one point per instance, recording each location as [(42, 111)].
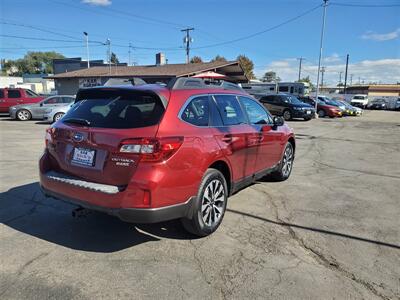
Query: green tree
[(270, 76), (247, 65), (114, 58), (306, 79), (32, 63), (196, 60), (219, 58)]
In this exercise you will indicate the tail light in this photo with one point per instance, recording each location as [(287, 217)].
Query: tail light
[(152, 149), (48, 136)]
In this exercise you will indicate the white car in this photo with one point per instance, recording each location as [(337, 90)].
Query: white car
[(54, 114), (359, 101)]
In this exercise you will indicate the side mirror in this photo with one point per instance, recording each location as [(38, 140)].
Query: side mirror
[(278, 121)]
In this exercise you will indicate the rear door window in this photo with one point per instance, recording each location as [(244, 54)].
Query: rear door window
[(114, 108), (230, 110), (197, 112), (31, 94), (14, 94)]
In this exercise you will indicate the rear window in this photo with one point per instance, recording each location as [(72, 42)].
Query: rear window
[(117, 108), (31, 94)]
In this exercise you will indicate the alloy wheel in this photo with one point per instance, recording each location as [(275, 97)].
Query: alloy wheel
[(287, 161), (287, 115), (212, 205), (58, 116), (23, 115)]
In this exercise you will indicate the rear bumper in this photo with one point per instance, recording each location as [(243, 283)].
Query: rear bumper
[(132, 215)]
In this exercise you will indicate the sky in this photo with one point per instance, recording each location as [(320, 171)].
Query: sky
[(370, 35)]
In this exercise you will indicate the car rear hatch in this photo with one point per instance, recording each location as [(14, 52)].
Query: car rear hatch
[(88, 143)]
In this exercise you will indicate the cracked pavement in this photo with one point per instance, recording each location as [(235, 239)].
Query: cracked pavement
[(331, 231)]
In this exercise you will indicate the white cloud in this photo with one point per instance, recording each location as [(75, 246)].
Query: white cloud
[(97, 2), (380, 37), (333, 58), (381, 70)]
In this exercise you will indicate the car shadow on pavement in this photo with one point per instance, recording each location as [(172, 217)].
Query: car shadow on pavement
[(26, 209), (318, 230)]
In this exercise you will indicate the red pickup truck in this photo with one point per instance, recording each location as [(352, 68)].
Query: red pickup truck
[(14, 96)]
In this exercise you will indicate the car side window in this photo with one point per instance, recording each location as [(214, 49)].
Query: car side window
[(255, 112), (52, 100), (1, 93), (230, 110), (29, 93), (14, 94), (67, 100), (268, 99), (197, 111)]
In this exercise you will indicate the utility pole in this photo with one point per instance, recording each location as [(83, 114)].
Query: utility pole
[(320, 55), (300, 61), (187, 40), (108, 43), (345, 74), (351, 79), (87, 48), (359, 80), (129, 54), (340, 77), (323, 69)]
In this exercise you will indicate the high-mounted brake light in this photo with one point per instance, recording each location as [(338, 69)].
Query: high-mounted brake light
[(151, 149)]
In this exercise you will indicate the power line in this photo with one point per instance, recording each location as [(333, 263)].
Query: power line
[(363, 5), (44, 39), (263, 31), (37, 28)]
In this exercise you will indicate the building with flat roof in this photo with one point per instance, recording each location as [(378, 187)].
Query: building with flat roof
[(68, 83), (380, 90)]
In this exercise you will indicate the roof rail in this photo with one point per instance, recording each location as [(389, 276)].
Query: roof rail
[(184, 83)]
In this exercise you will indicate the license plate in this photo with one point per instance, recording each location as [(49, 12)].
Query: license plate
[(308, 112), (83, 156)]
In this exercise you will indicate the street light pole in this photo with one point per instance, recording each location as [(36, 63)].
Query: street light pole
[(300, 61), (108, 43), (320, 55), (87, 48)]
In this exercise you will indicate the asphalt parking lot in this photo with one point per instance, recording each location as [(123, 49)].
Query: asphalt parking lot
[(330, 232)]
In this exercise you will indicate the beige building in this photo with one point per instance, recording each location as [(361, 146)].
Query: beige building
[(376, 90)]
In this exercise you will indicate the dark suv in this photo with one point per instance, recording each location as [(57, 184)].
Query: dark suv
[(287, 106), (152, 153)]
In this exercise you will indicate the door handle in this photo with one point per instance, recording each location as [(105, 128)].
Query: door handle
[(227, 138)]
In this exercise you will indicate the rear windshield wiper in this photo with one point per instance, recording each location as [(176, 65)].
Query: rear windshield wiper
[(77, 121)]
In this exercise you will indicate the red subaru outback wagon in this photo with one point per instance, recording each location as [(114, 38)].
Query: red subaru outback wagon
[(153, 153)]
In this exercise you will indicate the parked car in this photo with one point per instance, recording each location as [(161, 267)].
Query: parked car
[(359, 101), (16, 96), (397, 105), (350, 109), (26, 112), (332, 102), (323, 109), (150, 153), (377, 104), (287, 106), (56, 113)]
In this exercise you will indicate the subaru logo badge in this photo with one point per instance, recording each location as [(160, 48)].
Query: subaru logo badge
[(77, 137)]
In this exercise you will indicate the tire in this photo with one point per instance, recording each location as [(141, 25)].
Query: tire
[(23, 115), (286, 164), (307, 119), (321, 113), (209, 201), (287, 115), (58, 116)]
